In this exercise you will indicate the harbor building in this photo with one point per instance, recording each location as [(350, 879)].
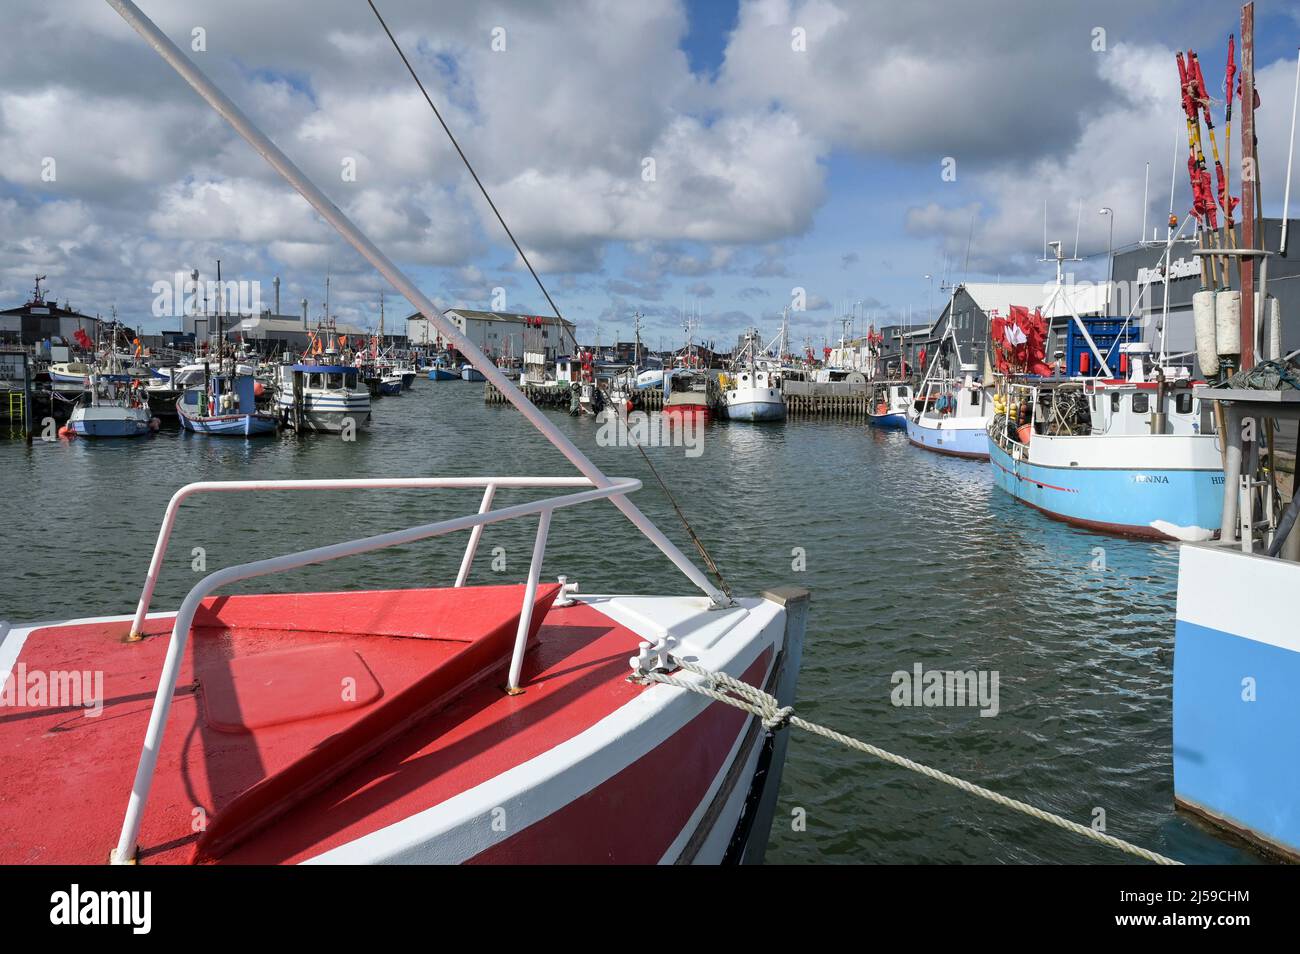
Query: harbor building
[(1137, 266), (497, 333), (41, 319)]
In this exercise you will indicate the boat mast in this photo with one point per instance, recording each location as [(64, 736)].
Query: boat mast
[(170, 53)]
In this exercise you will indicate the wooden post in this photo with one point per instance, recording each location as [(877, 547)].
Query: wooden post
[(1249, 169)]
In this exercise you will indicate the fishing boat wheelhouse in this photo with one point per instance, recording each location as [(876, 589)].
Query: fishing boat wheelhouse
[(321, 397)]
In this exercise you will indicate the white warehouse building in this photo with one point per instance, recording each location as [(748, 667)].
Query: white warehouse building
[(499, 334)]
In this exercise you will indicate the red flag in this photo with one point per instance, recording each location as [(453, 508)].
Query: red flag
[(83, 339)]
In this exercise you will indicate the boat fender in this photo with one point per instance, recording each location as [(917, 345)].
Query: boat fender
[(67, 432), (154, 423)]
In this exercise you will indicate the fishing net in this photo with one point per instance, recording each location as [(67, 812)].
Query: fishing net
[(1266, 376)]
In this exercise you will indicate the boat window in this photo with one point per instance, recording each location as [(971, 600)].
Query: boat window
[(1141, 403), (1183, 402), (350, 379), (1114, 403), (975, 397)]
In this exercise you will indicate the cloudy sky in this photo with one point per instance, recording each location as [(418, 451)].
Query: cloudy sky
[(654, 155)]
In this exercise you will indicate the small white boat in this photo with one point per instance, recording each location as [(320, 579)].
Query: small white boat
[(751, 391), (69, 372), (953, 417), (321, 397)]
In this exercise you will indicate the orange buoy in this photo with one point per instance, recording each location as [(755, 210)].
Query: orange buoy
[(67, 432), (258, 389)]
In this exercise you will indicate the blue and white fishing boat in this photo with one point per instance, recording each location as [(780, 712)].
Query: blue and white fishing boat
[(321, 397), (470, 373), (953, 412), (443, 370), (112, 406), (954, 415), (224, 406), (69, 372), (891, 404), (1136, 457)]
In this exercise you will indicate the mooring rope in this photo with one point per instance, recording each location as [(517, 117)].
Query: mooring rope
[(755, 701)]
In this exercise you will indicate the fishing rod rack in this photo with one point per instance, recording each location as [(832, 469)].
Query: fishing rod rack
[(475, 523)]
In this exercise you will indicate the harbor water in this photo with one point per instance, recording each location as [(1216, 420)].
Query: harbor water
[(913, 559)]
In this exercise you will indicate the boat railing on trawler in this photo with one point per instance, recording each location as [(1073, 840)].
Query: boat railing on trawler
[(245, 571), (600, 486)]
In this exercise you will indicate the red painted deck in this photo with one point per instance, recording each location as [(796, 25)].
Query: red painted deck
[(356, 710)]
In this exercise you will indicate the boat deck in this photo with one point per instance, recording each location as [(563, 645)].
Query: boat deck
[(286, 742)]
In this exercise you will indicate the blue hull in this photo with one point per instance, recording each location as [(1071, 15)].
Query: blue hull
[(1114, 500), (895, 421), (756, 411), (1237, 761), (1236, 706), (442, 374), (964, 442), (391, 389)]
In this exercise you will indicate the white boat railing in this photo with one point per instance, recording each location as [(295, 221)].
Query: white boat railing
[(544, 508)]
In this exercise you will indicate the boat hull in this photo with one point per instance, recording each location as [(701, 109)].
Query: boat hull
[(391, 388), (584, 766), (227, 425), (1164, 503), (753, 404), (443, 374), (950, 437), (109, 422), (1235, 705), (327, 414), (890, 421), (471, 374)]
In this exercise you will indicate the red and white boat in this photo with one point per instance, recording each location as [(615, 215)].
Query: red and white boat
[(456, 724)]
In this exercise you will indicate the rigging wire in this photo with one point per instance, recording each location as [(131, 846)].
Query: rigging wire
[(699, 544)]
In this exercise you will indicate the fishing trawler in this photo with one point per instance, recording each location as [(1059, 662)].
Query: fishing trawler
[(751, 391), (499, 723), (321, 397), (224, 405), (111, 406)]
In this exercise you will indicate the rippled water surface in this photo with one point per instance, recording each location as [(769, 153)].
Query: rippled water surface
[(912, 558)]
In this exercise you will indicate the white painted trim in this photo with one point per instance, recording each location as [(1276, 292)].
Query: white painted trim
[(1243, 594)]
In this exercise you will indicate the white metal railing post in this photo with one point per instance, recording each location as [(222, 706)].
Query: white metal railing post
[(530, 594), (153, 738), (472, 547)]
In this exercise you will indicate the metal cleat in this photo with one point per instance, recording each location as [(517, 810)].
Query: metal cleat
[(565, 589), (654, 657)]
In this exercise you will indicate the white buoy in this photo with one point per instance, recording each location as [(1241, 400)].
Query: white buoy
[(1203, 322), (1271, 333), (1227, 323)]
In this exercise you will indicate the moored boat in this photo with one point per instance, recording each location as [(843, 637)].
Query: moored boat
[(112, 406), (953, 416), (223, 405), (891, 403), (321, 397)]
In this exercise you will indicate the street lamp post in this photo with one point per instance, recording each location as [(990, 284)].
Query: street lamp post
[(1110, 254)]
